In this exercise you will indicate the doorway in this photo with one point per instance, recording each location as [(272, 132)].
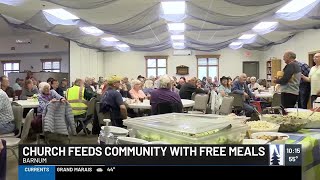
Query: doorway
[(251, 68)]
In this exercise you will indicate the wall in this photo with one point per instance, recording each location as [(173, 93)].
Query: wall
[(30, 54), (301, 44), (132, 64), (85, 62)]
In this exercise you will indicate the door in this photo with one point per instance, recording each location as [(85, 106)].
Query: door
[(251, 68)]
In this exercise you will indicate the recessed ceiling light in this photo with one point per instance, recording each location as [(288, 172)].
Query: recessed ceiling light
[(92, 30), (61, 14), (177, 37), (247, 36), (176, 26), (264, 25), (110, 39), (295, 6), (173, 7)]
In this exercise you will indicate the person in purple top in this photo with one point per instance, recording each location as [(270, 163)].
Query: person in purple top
[(165, 95)]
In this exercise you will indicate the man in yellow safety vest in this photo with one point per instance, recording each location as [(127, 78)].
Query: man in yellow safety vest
[(76, 97)]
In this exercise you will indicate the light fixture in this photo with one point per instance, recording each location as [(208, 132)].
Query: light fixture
[(176, 26), (295, 6), (264, 25), (177, 37), (91, 30), (122, 46), (178, 44), (61, 14), (247, 36), (110, 39), (236, 43), (173, 7)]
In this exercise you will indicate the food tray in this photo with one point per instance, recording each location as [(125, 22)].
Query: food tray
[(201, 129)]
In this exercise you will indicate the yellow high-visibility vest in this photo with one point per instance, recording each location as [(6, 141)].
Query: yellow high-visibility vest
[(75, 96)]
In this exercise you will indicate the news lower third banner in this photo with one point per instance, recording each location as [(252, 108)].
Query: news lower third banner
[(289, 155)]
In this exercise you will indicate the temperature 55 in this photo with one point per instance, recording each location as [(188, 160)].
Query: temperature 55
[(293, 150)]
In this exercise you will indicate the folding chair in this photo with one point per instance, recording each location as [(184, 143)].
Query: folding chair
[(89, 114), (13, 142), (226, 105), (200, 104), (237, 103)]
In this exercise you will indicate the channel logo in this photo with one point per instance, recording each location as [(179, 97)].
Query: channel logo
[(276, 154)]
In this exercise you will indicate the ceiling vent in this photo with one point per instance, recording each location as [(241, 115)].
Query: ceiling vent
[(23, 41)]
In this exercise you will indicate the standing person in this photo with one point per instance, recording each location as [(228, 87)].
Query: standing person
[(314, 78), (6, 88), (304, 88), (112, 102), (290, 81)]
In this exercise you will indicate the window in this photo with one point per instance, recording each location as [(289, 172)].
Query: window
[(156, 65), (51, 65), (208, 66), (10, 66)]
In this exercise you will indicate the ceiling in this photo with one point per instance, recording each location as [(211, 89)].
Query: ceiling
[(210, 24)]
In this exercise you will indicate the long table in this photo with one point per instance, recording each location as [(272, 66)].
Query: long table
[(310, 141)]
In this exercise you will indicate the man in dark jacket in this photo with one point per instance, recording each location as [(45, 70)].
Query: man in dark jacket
[(189, 88)]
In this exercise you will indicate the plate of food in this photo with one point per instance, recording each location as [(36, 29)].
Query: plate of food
[(274, 137)]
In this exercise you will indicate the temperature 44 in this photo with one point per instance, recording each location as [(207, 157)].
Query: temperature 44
[(293, 158)]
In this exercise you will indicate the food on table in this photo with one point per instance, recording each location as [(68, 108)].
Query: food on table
[(305, 115), (268, 137), (262, 126), (288, 123)]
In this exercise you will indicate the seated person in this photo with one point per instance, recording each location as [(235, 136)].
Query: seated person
[(55, 86), (148, 87), (189, 88), (7, 124), (182, 80), (136, 92), (240, 87), (45, 96), (18, 85), (224, 89), (164, 95), (253, 84), (6, 88), (28, 90), (112, 102)]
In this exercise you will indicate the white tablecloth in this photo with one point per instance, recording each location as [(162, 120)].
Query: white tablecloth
[(146, 104), (27, 103)]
